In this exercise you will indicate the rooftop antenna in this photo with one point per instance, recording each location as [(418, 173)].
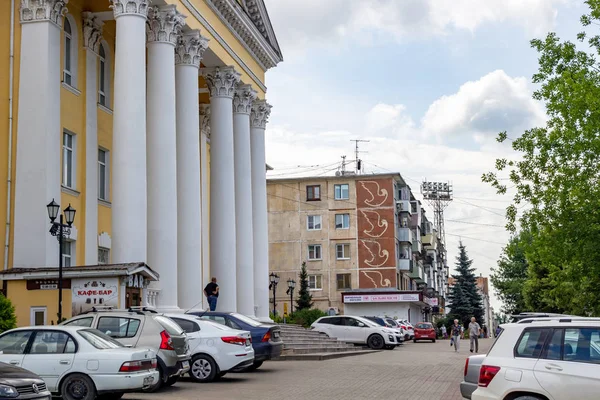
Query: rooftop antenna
[(358, 165)]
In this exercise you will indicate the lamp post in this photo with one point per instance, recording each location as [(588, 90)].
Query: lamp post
[(60, 230), (291, 285), (274, 279)]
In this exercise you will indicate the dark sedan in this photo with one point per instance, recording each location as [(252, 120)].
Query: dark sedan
[(266, 338), (18, 383)]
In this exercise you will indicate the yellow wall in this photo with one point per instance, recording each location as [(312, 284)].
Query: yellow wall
[(24, 299)]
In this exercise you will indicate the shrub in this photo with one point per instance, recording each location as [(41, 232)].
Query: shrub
[(306, 317), (8, 319)]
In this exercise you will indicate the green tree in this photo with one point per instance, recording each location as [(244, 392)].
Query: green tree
[(464, 298), (510, 276), (304, 300), (8, 319), (555, 174)]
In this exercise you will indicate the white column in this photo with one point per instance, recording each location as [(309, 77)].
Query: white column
[(163, 29), (188, 54), (260, 113), (129, 204), (242, 105), (92, 35), (221, 83), (39, 132), (204, 166)]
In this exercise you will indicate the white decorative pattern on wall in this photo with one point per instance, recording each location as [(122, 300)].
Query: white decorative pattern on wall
[(376, 193), (377, 255), (370, 217), (382, 282)]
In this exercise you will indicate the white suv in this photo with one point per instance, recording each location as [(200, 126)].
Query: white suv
[(356, 330), (543, 358)]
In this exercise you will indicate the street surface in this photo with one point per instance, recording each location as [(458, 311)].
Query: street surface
[(424, 371)]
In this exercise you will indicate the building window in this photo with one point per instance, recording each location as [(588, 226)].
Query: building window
[(314, 251), (342, 221), (103, 80), (103, 174), (313, 193), (314, 222), (38, 316), (103, 255), (70, 54), (344, 281), (315, 282), (342, 192), (68, 256), (342, 251), (68, 160)]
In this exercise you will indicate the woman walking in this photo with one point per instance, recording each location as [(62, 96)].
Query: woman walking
[(456, 334)]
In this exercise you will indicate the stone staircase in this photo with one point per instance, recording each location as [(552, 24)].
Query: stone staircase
[(304, 344)]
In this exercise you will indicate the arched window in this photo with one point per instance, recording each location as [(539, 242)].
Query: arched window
[(104, 75), (70, 55)]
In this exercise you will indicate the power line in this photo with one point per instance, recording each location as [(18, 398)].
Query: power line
[(473, 223), (476, 239)]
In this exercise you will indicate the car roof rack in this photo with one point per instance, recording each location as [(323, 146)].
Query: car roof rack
[(560, 319), (142, 308), (135, 309)]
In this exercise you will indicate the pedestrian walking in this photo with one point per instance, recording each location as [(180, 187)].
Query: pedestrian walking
[(474, 332), (444, 332), (211, 291), (456, 331), (485, 332), (497, 331)]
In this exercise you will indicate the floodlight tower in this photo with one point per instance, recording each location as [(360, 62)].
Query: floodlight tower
[(438, 195)]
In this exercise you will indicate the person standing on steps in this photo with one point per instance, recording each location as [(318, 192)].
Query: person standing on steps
[(474, 332), (211, 291)]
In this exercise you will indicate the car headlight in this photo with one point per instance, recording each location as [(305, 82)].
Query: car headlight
[(8, 391), (387, 331)]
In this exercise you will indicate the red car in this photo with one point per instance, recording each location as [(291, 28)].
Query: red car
[(424, 331)]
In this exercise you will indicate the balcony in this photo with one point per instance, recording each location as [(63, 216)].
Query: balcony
[(404, 235), (417, 245), (403, 206), (428, 240), (404, 264), (417, 272)]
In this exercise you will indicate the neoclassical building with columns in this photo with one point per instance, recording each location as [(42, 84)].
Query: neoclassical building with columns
[(148, 118)]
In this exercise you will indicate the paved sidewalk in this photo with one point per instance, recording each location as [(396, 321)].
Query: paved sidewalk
[(423, 371)]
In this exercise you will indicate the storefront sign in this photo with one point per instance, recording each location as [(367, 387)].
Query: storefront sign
[(432, 301), (135, 281), (381, 298), (88, 293), (47, 284)]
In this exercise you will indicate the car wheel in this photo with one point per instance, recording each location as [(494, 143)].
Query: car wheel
[(526, 398), (172, 380), (78, 387), (390, 347), (110, 396), (255, 366), (203, 368), (376, 342), (157, 385), (414, 340), (406, 337), (433, 340)]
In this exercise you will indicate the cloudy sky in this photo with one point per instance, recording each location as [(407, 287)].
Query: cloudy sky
[(429, 83)]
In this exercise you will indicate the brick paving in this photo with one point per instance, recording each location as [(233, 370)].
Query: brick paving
[(423, 371)]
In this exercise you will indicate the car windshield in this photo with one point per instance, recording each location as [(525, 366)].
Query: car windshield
[(246, 320), (98, 339), (214, 325), (170, 325)]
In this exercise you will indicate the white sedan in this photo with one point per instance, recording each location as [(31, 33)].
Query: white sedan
[(357, 330), (78, 362), (215, 348)]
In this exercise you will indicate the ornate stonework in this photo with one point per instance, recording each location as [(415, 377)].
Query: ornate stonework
[(164, 24), (205, 119), (130, 7), (43, 10), (260, 114), (190, 48), (243, 98), (221, 81), (92, 32)]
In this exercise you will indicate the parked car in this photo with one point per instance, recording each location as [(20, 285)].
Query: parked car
[(552, 358), (407, 326), (526, 315), (79, 363), (216, 349), (21, 384), (394, 324), (424, 331), (266, 338), (143, 327), (356, 330), (383, 321), (471, 375)]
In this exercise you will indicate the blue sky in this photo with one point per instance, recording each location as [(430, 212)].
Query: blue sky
[(429, 82)]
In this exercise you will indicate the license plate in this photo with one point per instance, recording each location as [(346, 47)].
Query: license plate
[(186, 365), (248, 342), (275, 334), (148, 380)]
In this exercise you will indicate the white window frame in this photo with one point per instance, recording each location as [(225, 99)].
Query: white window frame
[(69, 244), (107, 250), (315, 218), (345, 217), (106, 182), (316, 246), (33, 310), (70, 40), (341, 186), (315, 282), (342, 246), (73, 150), (104, 67)]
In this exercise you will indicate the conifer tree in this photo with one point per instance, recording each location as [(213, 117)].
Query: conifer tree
[(464, 298), (8, 320), (304, 300)]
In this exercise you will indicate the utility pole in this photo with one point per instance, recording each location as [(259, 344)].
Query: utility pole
[(358, 162)]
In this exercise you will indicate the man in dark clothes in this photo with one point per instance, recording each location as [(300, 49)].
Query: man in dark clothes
[(211, 291)]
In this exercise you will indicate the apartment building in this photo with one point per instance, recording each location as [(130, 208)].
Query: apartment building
[(368, 246)]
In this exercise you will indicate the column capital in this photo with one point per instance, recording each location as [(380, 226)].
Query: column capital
[(260, 114), (243, 98), (221, 81), (164, 24), (43, 11), (92, 32), (205, 121), (130, 7), (190, 48)]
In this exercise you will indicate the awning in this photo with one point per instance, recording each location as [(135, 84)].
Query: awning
[(104, 270)]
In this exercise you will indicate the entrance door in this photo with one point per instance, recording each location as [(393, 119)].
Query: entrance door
[(133, 297)]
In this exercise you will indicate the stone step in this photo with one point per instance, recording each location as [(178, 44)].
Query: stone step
[(304, 337), (316, 349), (305, 340), (316, 344), (323, 356)]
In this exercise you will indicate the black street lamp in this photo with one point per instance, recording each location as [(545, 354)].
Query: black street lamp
[(274, 279), (291, 285), (60, 230)]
